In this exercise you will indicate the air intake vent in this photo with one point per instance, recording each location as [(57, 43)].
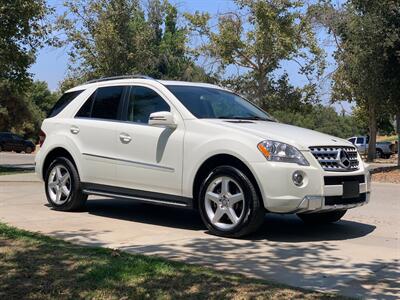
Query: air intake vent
[(336, 158)]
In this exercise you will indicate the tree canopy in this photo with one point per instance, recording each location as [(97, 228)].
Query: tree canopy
[(257, 38), (117, 37)]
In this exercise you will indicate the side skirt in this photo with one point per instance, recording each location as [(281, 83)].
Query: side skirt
[(137, 195)]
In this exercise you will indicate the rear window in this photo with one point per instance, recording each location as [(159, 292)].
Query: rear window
[(63, 102)]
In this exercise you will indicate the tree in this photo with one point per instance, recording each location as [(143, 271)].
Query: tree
[(364, 32), (26, 108), (39, 94), (117, 37), (256, 39), (24, 29), (323, 119)]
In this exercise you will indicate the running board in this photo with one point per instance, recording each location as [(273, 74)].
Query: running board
[(136, 195)]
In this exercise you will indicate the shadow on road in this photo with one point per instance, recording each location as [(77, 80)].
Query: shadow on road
[(279, 228)]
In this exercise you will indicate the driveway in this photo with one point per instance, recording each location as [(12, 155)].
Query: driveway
[(359, 256)]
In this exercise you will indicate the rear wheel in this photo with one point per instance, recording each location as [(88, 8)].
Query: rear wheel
[(63, 190), (28, 150), (229, 204), (322, 218)]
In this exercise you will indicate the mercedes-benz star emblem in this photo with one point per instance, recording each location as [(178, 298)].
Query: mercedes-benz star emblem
[(343, 159)]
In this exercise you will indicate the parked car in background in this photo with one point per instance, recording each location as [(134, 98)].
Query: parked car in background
[(383, 149), (12, 142)]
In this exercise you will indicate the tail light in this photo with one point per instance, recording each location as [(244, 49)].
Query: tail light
[(42, 137)]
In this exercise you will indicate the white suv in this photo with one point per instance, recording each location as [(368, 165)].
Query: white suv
[(193, 145)]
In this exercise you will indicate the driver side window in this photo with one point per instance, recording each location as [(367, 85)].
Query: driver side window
[(143, 102)]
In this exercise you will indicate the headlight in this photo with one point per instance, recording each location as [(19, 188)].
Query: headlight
[(277, 151)]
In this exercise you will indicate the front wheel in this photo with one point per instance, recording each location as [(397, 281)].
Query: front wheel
[(379, 153), (322, 218), (229, 204), (62, 186)]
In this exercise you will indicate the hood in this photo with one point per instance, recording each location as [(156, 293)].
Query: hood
[(299, 137)]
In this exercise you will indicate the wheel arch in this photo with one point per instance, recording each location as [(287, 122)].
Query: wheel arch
[(54, 153), (218, 160)]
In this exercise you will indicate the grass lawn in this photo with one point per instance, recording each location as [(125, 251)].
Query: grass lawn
[(8, 171), (34, 266)]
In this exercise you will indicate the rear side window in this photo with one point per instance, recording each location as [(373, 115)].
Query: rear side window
[(102, 104), (63, 102)]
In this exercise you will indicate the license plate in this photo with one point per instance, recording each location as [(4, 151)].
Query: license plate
[(351, 189)]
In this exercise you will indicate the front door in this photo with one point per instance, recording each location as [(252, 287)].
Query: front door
[(150, 157)]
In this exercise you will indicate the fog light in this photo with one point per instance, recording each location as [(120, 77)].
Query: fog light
[(298, 178)]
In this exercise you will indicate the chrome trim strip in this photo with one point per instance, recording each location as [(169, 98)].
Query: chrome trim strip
[(133, 162), (93, 192)]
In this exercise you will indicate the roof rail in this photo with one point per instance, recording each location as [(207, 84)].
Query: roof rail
[(120, 77)]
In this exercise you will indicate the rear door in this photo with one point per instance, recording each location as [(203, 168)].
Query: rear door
[(93, 131), (151, 157)]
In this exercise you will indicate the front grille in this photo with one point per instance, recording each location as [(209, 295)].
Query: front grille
[(338, 200), (336, 158)]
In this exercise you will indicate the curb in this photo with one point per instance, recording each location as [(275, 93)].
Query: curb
[(382, 169)]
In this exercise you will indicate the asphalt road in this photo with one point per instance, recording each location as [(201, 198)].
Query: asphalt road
[(359, 256)]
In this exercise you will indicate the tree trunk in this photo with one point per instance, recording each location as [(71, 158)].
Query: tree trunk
[(261, 92), (372, 133), (398, 136)]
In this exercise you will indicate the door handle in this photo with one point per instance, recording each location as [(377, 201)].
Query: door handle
[(125, 138), (74, 129)]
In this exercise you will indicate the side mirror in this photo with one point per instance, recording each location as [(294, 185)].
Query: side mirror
[(162, 118)]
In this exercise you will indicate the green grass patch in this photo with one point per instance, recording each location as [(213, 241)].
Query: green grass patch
[(9, 171), (34, 266)]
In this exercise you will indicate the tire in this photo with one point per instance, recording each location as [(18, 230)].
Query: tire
[(28, 150), (75, 200), (248, 212), (17, 151), (322, 218), (1, 148), (379, 153)]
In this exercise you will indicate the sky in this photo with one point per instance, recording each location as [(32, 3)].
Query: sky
[(52, 63)]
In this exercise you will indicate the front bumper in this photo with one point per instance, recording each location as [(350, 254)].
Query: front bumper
[(321, 190), (314, 204)]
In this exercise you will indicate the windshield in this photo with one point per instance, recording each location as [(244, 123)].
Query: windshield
[(212, 103)]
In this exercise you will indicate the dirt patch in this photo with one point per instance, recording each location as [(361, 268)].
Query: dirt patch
[(392, 176)]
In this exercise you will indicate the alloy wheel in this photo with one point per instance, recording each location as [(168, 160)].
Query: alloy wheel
[(224, 203), (59, 184)]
